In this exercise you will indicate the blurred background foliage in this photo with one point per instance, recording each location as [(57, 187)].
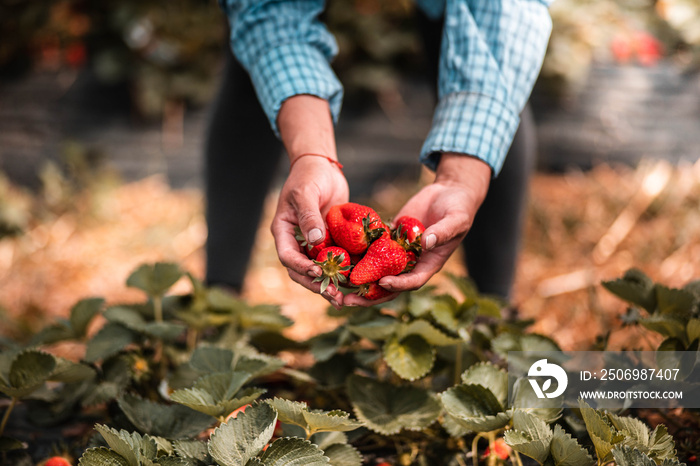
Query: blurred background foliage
[(171, 51)]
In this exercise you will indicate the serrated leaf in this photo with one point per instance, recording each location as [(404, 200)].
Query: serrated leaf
[(82, 314), (131, 446), (53, 334), (530, 342), (289, 412), (488, 307), (427, 331), (661, 445), (465, 285), (169, 421), (666, 325), (474, 407), (242, 438), (110, 340), (216, 394), (674, 301), (10, 444), (193, 449), (330, 421), (255, 462), (566, 451), (634, 429), (693, 329), (324, 440), (454, 427), (169, 460), (635, 287), (488, 376), (410, 358), (525, 398), (343, 455), (444, 311), (154, 279), (379, 328), (628, 456), (71, 372), (28, 371), (387, 409), (536, 449), (602, 434), (293, 452), (258, 364), (530, 436), (125, 316), (102, 457), (209, 359), (673, 354)]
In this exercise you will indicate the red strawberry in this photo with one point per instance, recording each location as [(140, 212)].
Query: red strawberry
[(411, 261), (407, 232), (57, 461), (384, 257), (372, 291), (335, 266), (310, 250), (353, 226)]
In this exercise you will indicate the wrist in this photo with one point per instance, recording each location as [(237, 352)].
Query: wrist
[(306, 126), (462, 169)]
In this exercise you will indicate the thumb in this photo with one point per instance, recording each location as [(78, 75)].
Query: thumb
[(449, 228), (310, 218)]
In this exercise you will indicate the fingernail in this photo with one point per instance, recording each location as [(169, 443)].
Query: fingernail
[(430, 241), (315, 235), (386, 285), (334, 303), (314, 272)]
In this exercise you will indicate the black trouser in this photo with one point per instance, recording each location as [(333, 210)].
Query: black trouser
[(242, 155)]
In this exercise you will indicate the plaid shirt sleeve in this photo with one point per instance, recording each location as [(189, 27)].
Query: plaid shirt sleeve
[(286, 50), (490, 56)]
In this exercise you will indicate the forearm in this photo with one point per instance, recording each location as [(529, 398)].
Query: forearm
[(306, 126)]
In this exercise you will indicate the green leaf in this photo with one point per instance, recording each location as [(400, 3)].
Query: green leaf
[(10, 444), (634, 429), (28, 371), (379, 328), (488, 307), (242, 438), (102, 457), (324, 440), (330, 421), (265, 316), (293, 452), (110, 340), (566, 451), (666, 325), (530, 342), (169, 421), (154, 279), (465, 285), (386, 408), (674, 301), (258, 364), (193, 449), (474, 407), (53, 334), (628, 456), (530, 436), (427, 331), (131, 446), (209, 359), (635, 287), (343, 455), (661, 446), (454, 427), (525, 398), (289, 412), (217, 394), (410, 358), (488, 376), (673, 354), (82, 314), (125, 316), (602, 434), (693, 329), (71, 372)]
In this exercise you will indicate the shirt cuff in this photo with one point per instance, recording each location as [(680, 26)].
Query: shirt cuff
[(293, 69), (472, 124)]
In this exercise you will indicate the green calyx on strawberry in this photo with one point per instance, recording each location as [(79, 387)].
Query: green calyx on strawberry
[(335, 266), (372, 291), (384, 257), (354, 227), (408, 232), (311, 250)]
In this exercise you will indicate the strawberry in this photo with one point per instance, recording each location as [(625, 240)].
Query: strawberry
[(57, 461), (408, 232), (310, 250), (411, 261), (372, 291), (335, 266), (384, 257), (353, 226)]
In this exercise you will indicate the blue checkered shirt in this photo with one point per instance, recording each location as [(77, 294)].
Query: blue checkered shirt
[(491, 54)]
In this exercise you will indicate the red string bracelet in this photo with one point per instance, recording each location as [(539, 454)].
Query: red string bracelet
[(333, 162)]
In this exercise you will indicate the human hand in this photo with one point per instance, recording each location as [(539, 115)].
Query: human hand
[(314, 185), (447, 209)]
